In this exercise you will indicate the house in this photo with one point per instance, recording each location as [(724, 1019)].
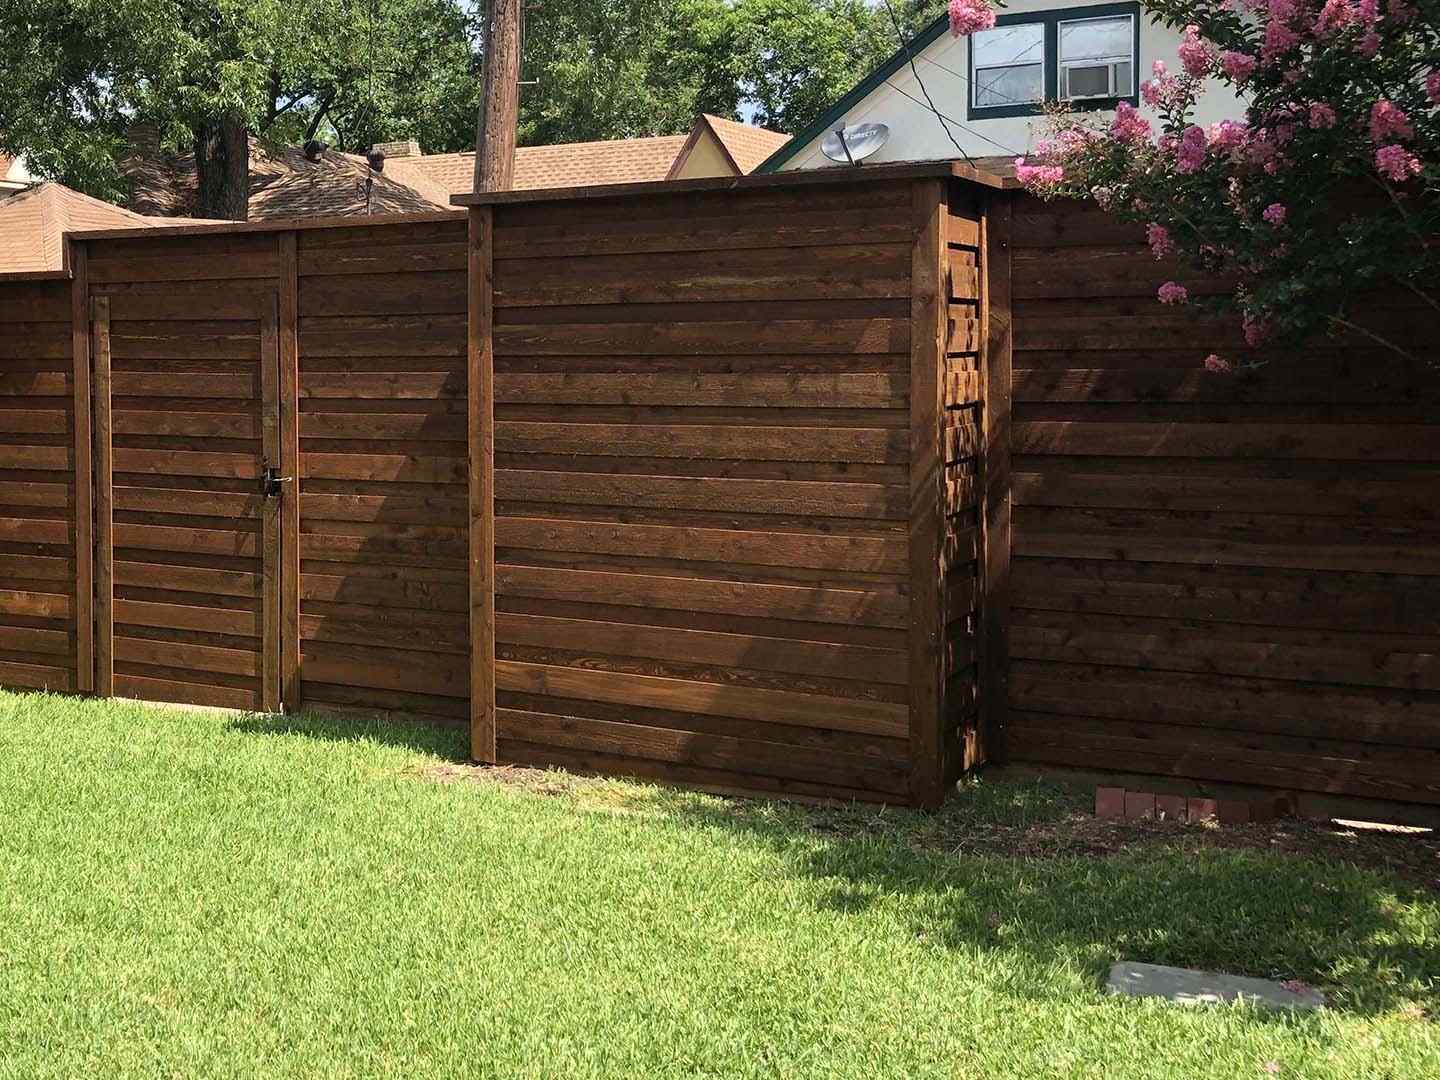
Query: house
[(33, 224), (14, 176), (287, 183), (991, 87)]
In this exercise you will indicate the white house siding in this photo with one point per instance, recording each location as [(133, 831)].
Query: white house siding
[(916, 133)]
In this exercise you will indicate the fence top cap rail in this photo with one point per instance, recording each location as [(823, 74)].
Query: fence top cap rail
[(35, 275), (939, 169), (346, 221)]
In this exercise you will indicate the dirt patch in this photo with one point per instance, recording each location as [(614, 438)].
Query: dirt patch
[(1024, 820)]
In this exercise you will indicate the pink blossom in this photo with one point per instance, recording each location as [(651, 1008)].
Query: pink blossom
[(1190, 154), (1369, 44), (1226, 135), (1275, 214), (1038, 176), (968, 16), (1321, 116), (1334, 16), (1397, 163), (1129, 126), (1158, 69), (1388, 120), (1158, 237), (1283, 10), (1237, 66), (1368, 10), (1217, 365), (1256, 330), (1432, 86), (1196, 56), (1401, 11), (1279, 39), (1172, 292)]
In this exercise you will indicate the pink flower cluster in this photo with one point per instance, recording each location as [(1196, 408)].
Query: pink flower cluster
[(1217, 365), (1397, 163), (1164, 90), (1237, 66), (1227, 135), (1190, 153), (1197, 56), (1322, 116), (1129, 126), (1389, 121), (1275, 214), (1159, 239), (1172, 292), (1037, 177), (968, 16)]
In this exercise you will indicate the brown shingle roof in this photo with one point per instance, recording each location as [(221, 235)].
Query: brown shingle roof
[(284, 184), (748, 145), (34, 222), (616, 161)]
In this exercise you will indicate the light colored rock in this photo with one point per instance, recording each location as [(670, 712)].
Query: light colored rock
[(1186, 987)]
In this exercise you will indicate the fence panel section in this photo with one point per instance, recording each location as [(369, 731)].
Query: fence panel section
[(38, 446), (1228, 578)]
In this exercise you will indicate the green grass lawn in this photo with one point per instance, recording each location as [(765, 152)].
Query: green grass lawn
[(187, 894)]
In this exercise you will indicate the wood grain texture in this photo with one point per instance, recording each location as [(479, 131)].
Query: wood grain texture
[(482, 439), (104, 499), (84, 509), (290, 501), (1216, 578), (270, 559)]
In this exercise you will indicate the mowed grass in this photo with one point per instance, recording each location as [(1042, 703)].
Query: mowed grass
[(187, 894)]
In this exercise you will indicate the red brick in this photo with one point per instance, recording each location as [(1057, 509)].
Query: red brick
[(1110, 803), (1234, 812), (1139, 805), (1202, 809), (1170, 807)]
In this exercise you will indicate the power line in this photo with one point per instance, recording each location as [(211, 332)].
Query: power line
[(910, 56), (946, 121)]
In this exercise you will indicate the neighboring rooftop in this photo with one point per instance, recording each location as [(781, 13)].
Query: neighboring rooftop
[(33, 224), (285, 184)]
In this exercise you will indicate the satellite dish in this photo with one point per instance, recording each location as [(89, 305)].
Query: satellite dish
[(852, 144)]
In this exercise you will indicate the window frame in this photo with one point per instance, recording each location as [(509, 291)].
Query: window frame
[(1050, 77)]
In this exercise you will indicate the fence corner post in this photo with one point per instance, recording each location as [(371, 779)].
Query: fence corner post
[(480, 384)]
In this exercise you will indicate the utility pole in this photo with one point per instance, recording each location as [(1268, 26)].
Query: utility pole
[(500, 108)]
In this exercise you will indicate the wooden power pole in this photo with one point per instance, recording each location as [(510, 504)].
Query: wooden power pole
[(500, 108)]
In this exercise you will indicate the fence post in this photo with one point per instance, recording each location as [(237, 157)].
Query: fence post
[(480, 384), (995, 473), (928, 331), (84, 608), (289, 466), (104, 502)]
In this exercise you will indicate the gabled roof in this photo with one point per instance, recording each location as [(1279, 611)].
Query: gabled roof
[(745, 145), (862, 89), (34, 222)]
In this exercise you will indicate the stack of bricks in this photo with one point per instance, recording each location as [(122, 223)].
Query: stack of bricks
[(1117, 804)]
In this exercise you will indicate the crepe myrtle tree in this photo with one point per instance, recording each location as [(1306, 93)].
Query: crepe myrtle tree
[(1323, 189)]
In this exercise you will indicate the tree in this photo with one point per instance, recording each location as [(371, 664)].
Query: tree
[(74, 74), (1325, 190)]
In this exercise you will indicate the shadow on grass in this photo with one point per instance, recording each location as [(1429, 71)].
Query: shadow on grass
[(447, 742), (1041, 883), (1024, 868)]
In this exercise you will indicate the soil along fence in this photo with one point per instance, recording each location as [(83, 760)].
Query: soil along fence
[(721, 483)]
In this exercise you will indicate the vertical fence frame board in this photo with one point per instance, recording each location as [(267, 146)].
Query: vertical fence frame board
[(83, 470), (480, 384), (104, 499), (928, 317), (995, 495), (270, 520), (289, 567)]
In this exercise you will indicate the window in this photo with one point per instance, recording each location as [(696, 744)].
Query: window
[(1084, 55)]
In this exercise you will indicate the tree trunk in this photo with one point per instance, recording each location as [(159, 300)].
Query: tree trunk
[(500, 107), (222, 166)]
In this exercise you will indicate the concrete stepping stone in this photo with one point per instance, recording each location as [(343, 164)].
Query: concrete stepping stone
[(1186, 987)]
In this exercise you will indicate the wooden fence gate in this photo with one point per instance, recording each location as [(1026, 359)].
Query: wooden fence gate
[(188, 490)]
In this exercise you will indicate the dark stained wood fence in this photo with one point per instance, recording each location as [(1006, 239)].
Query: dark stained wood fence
[(39, 571), (717, 475), (1224, 578), (723, 484)]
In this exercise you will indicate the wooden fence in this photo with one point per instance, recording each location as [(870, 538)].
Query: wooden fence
[(1225, 578), (722, 483)]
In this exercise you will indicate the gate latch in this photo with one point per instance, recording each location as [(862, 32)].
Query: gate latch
[(270, 482)]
